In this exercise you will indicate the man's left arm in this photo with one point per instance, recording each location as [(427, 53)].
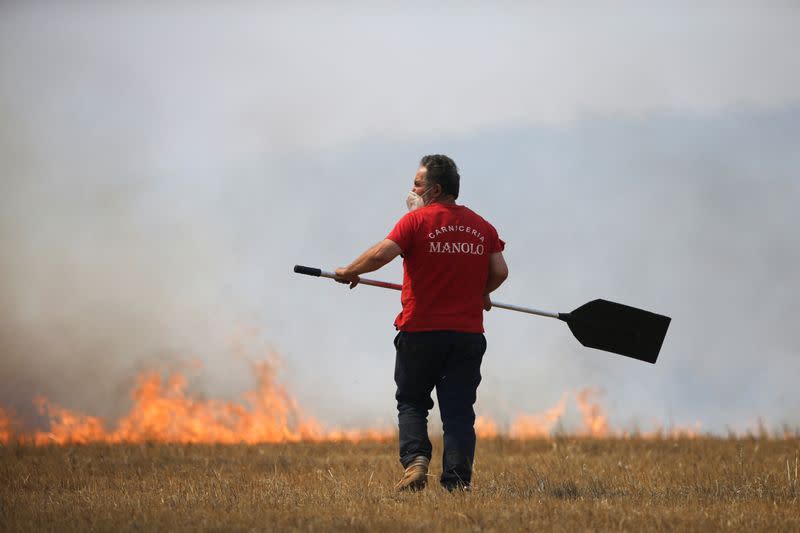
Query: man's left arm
[(373, 259)]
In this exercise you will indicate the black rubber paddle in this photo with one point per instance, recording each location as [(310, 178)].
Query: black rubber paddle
[(599, 324)]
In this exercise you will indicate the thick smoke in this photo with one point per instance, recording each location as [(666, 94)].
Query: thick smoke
[(162, 171)]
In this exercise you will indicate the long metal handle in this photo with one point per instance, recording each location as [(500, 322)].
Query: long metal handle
[(529, 310), (386, 285), (365, 281)]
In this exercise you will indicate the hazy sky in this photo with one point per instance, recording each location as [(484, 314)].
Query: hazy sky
[(164, 166)]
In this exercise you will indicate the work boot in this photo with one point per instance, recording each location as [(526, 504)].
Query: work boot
[(416, 475)]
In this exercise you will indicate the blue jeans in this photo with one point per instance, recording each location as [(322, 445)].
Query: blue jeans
[(450, 362)]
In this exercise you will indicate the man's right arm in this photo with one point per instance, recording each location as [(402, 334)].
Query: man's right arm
[(498, 272)]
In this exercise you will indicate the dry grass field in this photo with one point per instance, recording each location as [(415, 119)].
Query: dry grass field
[(563, 484)]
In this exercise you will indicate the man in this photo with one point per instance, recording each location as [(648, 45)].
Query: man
[(452, 261)]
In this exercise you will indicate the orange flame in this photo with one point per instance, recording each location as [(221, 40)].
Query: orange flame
[(595, 420), (6, 432), (486, 428), (67, 426), (527, 426), (163, 412)]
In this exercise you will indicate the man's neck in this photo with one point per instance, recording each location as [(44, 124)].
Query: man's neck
[(448, 200)]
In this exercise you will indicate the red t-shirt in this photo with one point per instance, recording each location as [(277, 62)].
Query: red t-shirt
[(445, 266)]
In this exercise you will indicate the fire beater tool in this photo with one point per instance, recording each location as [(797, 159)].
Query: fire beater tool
[(600, 324)]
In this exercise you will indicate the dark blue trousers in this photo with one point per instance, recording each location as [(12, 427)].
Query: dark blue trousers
[(450, 362)]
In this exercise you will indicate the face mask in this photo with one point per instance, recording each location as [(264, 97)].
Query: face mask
[(415, 201)]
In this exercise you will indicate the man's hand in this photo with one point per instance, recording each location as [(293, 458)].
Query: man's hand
[(373, 259), (487, 303), (344, 276)]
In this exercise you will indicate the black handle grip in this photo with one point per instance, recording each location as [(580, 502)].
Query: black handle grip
[(308, 271)]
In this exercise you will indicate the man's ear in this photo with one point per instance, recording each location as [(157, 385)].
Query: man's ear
[(437, 190)]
